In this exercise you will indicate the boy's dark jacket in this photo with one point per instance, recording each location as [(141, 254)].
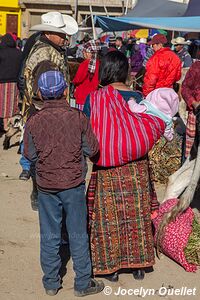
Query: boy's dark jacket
[(57, 138)]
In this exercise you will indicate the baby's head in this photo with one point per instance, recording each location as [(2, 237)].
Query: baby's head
[(164, 99)]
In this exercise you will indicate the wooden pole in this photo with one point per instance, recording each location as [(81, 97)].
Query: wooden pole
[(107, 15), (123, 10), (93, 27), (76, 10), (127, 3)]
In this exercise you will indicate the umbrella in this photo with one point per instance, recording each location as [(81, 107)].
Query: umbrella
[(156, 31), (145, 33), (105, 38), (140, 33)]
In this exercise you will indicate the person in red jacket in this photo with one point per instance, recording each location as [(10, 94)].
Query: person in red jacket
[(163, 68), (86, 79)]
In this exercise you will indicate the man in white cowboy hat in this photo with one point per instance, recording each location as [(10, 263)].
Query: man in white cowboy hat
[(44, 48), (179, 44), (54, 28)]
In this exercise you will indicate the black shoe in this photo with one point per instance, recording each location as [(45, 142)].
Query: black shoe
[(25, 175), (114, 277), (34, 201), (93, 288), (51, 292), (138, 274)]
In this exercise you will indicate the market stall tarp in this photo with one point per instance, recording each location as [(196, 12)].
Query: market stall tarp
[(157, 8), (191, 24)]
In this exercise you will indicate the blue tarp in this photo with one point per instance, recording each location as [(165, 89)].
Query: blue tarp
[(191, 24)]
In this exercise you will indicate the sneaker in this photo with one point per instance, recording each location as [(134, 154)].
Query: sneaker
[(25, 175), (93, 288), (51, 292)]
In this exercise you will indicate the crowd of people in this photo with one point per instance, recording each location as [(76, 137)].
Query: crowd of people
[(115, 124)]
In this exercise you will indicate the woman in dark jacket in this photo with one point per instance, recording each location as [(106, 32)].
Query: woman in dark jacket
[(10, 59)]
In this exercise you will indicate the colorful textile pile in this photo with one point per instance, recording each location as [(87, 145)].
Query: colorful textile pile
[(192, 250), (165, 158)]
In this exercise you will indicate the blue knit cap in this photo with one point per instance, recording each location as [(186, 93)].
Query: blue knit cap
[(51, 84)]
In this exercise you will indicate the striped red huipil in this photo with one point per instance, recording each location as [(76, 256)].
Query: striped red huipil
[(123, 136)]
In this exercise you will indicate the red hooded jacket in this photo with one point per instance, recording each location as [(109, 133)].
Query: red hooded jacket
[(83, 85), (162, 70)]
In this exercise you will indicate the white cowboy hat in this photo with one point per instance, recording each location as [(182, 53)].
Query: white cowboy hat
[(57, 22), (180, 41), (141, 41)]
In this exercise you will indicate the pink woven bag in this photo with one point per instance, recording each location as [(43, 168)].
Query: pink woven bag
[(176, 234)]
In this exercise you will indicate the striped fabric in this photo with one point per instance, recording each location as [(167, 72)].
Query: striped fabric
[(123, 136), (190, 132), (8, 99)]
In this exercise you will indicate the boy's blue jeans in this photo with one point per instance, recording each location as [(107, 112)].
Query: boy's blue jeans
[(50, 216), (24, 162)]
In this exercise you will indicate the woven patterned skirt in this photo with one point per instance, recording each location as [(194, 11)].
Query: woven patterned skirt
[(120, 222), (8, 99)]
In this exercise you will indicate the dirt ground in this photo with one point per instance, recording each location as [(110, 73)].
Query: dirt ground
[(20, 273)]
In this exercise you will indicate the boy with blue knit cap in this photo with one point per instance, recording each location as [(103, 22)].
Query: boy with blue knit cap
[(57, 139)]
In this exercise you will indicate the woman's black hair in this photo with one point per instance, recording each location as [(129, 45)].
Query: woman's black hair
[(113, 68)]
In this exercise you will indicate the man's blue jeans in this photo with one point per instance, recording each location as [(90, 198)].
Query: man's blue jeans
[(50, 216)]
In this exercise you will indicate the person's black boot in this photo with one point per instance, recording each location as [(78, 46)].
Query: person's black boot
[(114, 277), (34, 201), (34, 195), (6, 143), (138, 274)]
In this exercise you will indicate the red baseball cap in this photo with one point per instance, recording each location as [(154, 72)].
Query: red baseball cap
[(158, 39)]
